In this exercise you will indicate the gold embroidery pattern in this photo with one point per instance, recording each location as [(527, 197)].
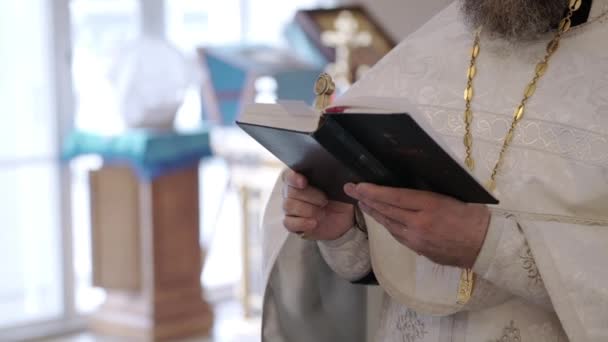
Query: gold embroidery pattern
[(528, 263), (411, 326), (510, 334), (591, 222), (535, 134)]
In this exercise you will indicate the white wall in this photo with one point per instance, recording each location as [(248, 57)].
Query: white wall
[(401, 17)]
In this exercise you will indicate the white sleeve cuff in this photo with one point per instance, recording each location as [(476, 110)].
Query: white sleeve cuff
[(490, 246), (506, 261), (352, 234), (348, 255)]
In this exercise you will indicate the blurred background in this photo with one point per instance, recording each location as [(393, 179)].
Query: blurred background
[(129, 202)]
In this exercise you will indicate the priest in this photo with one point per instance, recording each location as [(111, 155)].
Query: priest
[(533, 123)]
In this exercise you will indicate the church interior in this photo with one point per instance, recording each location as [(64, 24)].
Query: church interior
[(131, 202)]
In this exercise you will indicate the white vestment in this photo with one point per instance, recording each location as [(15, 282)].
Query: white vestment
[(541, 274)]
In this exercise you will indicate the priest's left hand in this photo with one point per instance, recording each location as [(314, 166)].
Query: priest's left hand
[(443, 229)]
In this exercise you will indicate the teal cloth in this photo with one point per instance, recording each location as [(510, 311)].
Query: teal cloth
[(150, 153)]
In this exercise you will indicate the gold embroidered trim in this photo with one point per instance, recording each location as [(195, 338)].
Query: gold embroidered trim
[(583, 221), (534, 134), (529, 265), (510, 334), (412, 328)]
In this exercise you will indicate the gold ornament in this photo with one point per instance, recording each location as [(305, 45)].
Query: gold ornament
[(467, 278), (324, 88)]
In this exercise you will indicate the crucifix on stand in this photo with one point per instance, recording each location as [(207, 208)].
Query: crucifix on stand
[(345, 38)]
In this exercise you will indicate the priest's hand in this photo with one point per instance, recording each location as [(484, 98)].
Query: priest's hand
[(443, 229), (310, 214)]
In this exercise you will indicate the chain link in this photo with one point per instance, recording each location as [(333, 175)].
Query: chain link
[(529, 91), (467, 278)]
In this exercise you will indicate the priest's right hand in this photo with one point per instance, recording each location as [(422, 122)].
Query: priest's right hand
[(310, 214)]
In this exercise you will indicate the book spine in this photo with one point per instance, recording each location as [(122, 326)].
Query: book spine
[(344, 147)]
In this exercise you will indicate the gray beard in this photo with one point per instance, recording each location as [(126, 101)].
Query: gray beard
[(514, 20)]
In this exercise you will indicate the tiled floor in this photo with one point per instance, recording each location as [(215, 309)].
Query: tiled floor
[(230, 327)]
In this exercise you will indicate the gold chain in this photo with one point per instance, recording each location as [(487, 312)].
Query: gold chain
[(467, 278)]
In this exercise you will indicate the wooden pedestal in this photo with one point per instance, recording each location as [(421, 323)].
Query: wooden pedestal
[(146, 255)]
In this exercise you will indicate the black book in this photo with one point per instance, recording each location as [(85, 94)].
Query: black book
[(334, 149)]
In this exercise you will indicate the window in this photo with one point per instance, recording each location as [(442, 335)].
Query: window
[(30, 203), (99, 29), (261, 30), (190, 23)]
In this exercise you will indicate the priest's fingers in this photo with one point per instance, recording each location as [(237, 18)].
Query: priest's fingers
[(299, 225), (309, 194), (296, 208), (404, 216), (294, 179), (399, 197), (399, 231)]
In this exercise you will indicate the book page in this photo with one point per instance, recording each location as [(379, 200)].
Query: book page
[(289, 115)]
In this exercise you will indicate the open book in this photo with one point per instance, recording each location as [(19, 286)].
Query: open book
[(359, 145)]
